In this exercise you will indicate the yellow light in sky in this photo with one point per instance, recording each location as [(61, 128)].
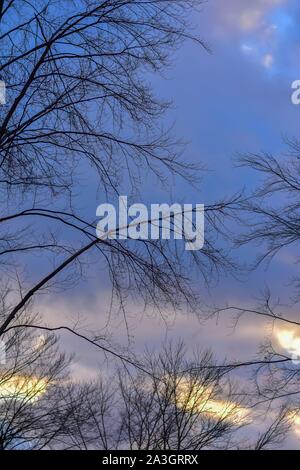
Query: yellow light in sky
[(191, 397), (296, 420), (289, 341), (22, 388)]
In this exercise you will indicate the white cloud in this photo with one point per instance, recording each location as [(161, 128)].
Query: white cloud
[(268, 61), (241, 16)]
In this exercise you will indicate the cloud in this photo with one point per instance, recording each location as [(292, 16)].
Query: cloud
[(239, 15), (268, 61), (289, 340), (258, 28)]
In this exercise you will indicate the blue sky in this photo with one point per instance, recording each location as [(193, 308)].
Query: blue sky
[(235, 99)]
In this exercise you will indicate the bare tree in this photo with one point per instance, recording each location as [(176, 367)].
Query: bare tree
[(275, 371), (272, 210), (170, 402), (77, 95), (180, 407), (269, 216), (175, 410), (74, 75), (40, 406)]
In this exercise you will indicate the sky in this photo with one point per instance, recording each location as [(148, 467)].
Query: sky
[(237, 98)]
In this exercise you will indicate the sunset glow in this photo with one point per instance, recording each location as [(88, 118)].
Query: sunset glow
[(199, 399), (23, 388), (289, 340)]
